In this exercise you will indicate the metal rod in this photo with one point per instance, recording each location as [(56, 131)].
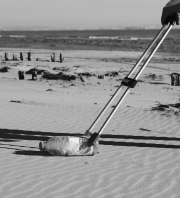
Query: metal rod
[(105, 108), (144, 54), (153, 52), (113, 111), (128, 89), (130, 73)]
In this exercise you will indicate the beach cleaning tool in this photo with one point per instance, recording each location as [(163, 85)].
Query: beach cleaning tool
[(88, 143), (129, 82)]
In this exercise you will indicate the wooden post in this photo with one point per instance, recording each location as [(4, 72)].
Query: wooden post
[(53, 57), (61, 58), (21, 56), (21, 75), (34, 75), (6, 56), (14, 58), (175, 79), (29, 56)]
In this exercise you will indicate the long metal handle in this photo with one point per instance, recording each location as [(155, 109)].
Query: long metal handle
[(147, 50), (120, 87), (154, 51), (128, 89)]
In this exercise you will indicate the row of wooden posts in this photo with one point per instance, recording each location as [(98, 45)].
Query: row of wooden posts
[(14, 58)]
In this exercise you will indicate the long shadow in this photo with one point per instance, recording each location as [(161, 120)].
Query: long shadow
[(139, 137), (40, 153), (17, 135), (9, 135), (18, 146), (34, 153), (134, 144)]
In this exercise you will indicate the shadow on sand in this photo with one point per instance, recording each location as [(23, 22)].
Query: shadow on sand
[(7, 136)]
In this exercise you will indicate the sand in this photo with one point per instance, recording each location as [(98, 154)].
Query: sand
[(139, 153)]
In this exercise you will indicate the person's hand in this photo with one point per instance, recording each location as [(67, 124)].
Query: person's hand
[(172, 9)]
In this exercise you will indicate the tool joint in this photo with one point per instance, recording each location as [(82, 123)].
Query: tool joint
[(129, 82)]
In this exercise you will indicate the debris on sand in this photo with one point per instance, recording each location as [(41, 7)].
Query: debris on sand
[(81, 78), (87, 74), (101, 77), (49, 90), (154, 77), (4, 69), (142, 129), (168, 108), (39, 71), (60, 76), (63, 69), (16, 101), (112, 74)]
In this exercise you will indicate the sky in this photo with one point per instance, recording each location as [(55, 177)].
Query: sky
[(80, 14)]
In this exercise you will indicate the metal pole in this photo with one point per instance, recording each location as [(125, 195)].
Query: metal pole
[(153, 52), (114, 111), (144, 54), (120, 87)]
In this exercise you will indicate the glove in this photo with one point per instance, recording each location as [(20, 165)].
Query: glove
[(171, 12)]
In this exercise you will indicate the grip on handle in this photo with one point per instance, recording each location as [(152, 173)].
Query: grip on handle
[(172, 19)]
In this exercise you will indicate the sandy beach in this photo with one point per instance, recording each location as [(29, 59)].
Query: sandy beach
[(139, 152)]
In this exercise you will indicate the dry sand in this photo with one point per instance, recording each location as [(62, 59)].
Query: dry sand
[(139, 152)]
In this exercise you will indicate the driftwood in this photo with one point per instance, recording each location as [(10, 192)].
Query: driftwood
[(4, 69), (87, 74), (38, 71), (60, 76), (174, 108)]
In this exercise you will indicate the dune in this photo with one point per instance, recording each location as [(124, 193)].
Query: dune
[(139, 152)]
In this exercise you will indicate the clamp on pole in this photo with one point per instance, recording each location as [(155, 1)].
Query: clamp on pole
[(129, 82)]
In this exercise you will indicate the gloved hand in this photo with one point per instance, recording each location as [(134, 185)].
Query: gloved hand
[(171, 9)]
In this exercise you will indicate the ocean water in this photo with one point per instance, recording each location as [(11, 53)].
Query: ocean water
[(128, 39), (92, 34)]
